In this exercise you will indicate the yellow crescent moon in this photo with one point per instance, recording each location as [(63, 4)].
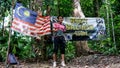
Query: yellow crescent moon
[(18, 9)]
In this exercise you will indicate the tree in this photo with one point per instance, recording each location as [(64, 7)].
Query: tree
[(81, 46)]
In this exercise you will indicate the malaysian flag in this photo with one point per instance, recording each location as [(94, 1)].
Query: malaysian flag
[(30, 23)]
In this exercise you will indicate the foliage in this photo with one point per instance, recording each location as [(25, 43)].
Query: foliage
[(3, 45), (87, 7), (3, 51), (107, 46), (59, 7), (49, 50), (21, 45), (117, 23), (4, 6), (70, 50)]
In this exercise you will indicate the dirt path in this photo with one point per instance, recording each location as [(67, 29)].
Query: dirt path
[(33, 65), (75, 66), (91, 61)]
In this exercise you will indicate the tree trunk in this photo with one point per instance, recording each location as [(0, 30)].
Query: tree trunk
[(81, 46), (77, 10), (96, 8), (3, 28), (48, 10), (58, 7)]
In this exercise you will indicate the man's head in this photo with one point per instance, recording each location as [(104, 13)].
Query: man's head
[(60, 19)]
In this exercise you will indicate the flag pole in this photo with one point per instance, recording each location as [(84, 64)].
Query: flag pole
[(9, 38)]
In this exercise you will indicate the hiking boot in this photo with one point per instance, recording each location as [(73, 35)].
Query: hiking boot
[(63, 63)]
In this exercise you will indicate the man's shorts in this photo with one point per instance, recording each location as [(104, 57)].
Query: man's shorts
[(59, 43)]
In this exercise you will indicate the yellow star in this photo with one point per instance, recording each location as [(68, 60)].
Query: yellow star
[(27, 13)]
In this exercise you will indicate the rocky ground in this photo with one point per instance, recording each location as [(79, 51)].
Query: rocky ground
[(91, 61)]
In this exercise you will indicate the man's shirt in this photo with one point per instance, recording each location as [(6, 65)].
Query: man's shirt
[(60, 29)]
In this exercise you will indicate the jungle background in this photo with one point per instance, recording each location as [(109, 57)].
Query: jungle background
[(39, 50)]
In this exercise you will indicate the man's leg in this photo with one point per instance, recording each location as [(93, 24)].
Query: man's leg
[(54, 57), (62, 57), (62, 49), (54, 60), (55, 52), (63, 60)]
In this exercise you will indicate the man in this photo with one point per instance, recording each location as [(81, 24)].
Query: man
[(59, 40)]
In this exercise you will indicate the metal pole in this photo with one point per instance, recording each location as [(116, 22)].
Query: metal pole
[(9, 39)]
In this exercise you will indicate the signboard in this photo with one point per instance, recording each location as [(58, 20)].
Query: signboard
[(83, 28)]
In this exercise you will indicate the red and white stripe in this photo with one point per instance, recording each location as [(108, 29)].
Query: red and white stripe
[(40, 28)]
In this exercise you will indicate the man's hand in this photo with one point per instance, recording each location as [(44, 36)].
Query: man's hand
[(54, 29)]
